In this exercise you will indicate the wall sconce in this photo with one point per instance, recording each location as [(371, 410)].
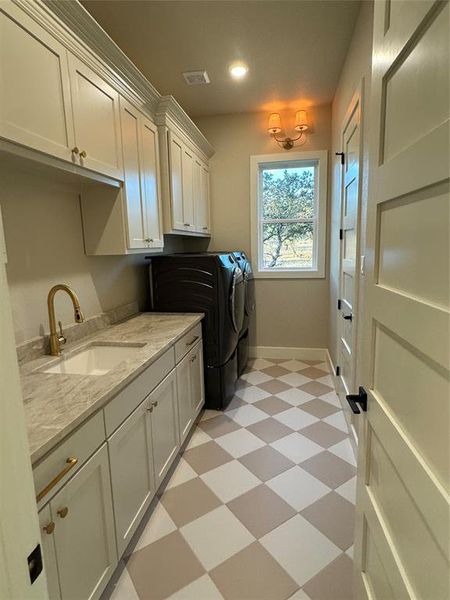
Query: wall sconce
[(301, 125)]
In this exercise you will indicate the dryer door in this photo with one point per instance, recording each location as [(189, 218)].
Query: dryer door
[(237, 300), (249, 289)]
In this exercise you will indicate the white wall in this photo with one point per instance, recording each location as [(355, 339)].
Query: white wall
[(357, 68), (289, 313)]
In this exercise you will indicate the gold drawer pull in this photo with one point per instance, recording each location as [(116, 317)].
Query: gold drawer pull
[(192, 341), (62, 512), (71, 462), (49, 528)]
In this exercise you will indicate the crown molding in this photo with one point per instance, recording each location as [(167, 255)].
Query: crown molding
[(169, 110)]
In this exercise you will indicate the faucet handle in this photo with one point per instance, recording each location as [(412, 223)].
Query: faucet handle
[(62, 339)]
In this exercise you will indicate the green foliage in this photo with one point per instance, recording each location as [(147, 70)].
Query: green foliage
[(289, 197)]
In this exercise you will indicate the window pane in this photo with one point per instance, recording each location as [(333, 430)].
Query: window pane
[(288, 246), (288, 193)]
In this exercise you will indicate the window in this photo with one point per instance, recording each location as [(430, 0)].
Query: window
[(289, 214)]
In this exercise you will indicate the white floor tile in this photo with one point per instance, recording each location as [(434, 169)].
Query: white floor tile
[(261, 363), (331, 398), (300, 548), (337, 420), (216, 536), (344, 450), (295, 418), (293, 365), (198, 437), (323, 367), (159, 525), (252, 394), (294, 379), (230, 480), (296, 447), (183, 472), (348, 490), (300, 595), (349, 552), (200, 589), (247, 415), (295, 397), (326, 380), (240, 442), (209, 414), (255, 377), (124, 588), (298, 488)]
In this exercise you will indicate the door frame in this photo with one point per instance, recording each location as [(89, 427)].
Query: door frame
[(356, 103)]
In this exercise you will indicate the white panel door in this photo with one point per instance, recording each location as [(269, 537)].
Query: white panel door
[(176, 180), (184, 397), (164, 418), (150, 184), (96, 119), (349, 262), (188, 188), (201, 197), (47, 525), (35, 104), (197, 379), (130, 125), (84, 530), (131, 460), (403, 507)]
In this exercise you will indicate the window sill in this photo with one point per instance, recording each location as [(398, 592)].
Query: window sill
[(312, 274)]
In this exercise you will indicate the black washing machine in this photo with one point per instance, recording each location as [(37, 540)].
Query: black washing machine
[(249, 307), (212, 283)]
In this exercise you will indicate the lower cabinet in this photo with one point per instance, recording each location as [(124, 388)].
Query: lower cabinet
[(131, 457), (164, 420), (47, 526), (190, 389), (82, 526)]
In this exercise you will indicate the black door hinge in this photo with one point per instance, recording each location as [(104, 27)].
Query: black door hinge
[(359, 398), (341, 234), (339, 304), (338, 371), (342, 155)]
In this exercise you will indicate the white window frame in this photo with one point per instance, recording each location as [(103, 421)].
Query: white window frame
[(257, 163)]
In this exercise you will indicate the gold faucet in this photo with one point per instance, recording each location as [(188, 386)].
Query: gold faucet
[(55, 339)]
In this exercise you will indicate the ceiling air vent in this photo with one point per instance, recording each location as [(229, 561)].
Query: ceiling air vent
[(196, 77)]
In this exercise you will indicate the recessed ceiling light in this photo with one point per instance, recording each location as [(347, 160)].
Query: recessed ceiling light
[(238, 70)]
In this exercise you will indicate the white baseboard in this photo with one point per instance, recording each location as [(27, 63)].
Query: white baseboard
[(288, 352)]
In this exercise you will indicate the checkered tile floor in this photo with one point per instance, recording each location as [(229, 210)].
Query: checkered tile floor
[(260, 506)]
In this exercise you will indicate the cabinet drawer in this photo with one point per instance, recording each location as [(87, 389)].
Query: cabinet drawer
[(187, 342), (129, 398), (80, 445)]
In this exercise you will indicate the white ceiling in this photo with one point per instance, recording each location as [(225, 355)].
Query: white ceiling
[(294, 48)]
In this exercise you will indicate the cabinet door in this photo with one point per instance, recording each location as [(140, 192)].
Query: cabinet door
[(46, 524), (176, 181), (196, 190), (130, 125), (35, 108), (197, 379), (96, 120), (184, 397), (150, 184), (130, 453), (188, 189), (164, 419), (202, 206), (84, 536)]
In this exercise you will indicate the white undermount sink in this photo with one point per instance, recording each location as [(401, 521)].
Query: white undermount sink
[(94, 360)]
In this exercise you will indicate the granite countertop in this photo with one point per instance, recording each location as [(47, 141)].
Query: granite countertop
[(56, 404)]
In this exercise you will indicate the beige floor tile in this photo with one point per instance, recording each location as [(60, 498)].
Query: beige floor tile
[(316, 389), (312, 363), (330, 469), (296, 418), (200, 589), (260, 363), (337, 420), (324, 434), (240, 442), (163, 568), (319, 408), (217, 426), (241, 383), (275, 371), (205, 457), (266, 463), (261, 510), (209, 414), (334, 582), (348, 490), (272, 405), (159, 525), (124, 588), (197, 438), (274, 386), (253, 574), (332, 398), (216, 536), (269, 430), (236, 402), (298, 488), (300, 548), (230, 480), (300, 595), (334, 517), (313, 372), (189, 501), (183, 472)]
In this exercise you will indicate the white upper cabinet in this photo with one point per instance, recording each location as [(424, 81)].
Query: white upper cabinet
[(201, 199), (150, 184), (176, 181), (187, 166), (96, 120), (35, 104)]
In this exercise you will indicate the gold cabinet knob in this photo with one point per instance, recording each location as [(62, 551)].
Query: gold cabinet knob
[(150, 408), (49, 528), (75, 150), (155, 404), (83, 154), (62, 512)]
